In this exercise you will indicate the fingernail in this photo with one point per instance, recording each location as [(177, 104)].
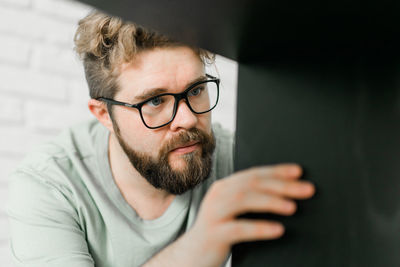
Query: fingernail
[(289, 206), (294, 170), (277, 228), (307, 188)]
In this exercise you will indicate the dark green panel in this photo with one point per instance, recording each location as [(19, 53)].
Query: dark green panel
[(340, 119), (260, 30), (210, 24)]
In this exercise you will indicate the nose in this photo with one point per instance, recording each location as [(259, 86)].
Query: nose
[(184, 118)]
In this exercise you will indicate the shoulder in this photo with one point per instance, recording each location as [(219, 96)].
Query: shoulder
[(57, 161)]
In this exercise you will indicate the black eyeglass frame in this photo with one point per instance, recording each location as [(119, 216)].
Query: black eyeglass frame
[(178, 97)]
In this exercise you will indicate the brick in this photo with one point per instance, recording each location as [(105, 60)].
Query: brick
[(78, 93), (14, 50), (17, 141), (33, 25), (71, 10), (32, 83), (10, 109), (16, 3), (50, 117), (58, 32), (8, 164), (24, 22), (56, 59)]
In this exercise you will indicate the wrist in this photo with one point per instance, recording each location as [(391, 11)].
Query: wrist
[(208, 247)]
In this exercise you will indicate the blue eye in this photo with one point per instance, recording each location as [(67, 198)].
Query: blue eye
[(196, 91), (155, 102)]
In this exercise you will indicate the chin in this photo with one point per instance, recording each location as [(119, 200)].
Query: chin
[(180, 162)]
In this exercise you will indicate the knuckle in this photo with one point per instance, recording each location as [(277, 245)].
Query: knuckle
[(289, 187), (238, 230), (240, 196), (254, 171), (216, 186), (216, 189), (286, 187), (254, 181), (276, 205), (279, 172), (294, 188), (259, 229), (213, 192)]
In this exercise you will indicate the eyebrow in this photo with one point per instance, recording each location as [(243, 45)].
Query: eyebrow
[(156, 91)]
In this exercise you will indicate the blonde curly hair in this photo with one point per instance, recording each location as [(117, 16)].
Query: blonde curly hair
[(105, 42)]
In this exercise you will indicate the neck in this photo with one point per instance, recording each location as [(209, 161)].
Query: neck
[(148, 202)]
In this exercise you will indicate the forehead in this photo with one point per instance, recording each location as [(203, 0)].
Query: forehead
[(163, 68)]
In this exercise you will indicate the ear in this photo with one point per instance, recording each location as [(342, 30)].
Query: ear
[(99, 110)]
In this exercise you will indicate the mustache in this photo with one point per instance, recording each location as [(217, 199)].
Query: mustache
[(191, 135)]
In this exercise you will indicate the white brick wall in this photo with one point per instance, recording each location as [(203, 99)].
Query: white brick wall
[(42, 85), (14, 51)]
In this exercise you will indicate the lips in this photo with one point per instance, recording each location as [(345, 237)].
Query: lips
[(185, 148), (185, 145)]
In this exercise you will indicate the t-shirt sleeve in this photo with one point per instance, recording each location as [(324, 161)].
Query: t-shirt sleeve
[(44, 225)]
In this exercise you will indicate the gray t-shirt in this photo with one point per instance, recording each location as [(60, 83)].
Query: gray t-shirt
[(66, 210)]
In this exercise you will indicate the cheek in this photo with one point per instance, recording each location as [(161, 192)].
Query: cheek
[(135, 133), (128, 120), (205, 122)]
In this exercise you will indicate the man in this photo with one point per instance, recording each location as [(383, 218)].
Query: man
[(142, 185)]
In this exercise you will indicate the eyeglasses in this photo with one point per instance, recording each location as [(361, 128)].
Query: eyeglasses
[(158, 111)]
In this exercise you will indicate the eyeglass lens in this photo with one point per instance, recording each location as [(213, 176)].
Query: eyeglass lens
[(160, 110)]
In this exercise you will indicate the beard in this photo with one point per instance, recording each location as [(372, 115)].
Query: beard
[(159, 173)]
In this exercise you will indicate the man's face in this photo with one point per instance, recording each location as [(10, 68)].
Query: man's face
[(175, 157)]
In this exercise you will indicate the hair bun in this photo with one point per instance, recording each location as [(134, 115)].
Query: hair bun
[(98, 34)]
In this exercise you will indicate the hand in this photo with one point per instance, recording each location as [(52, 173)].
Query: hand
[(264, 189)]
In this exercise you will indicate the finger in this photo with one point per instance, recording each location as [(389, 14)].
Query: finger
[(281, 171), (287, 171), (283, 188), (244, 230), (255, 202), (274, 180)]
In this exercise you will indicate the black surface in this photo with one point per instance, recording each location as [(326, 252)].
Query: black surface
[(213, 25), (257, 30), (340, 120), (318, 85)]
